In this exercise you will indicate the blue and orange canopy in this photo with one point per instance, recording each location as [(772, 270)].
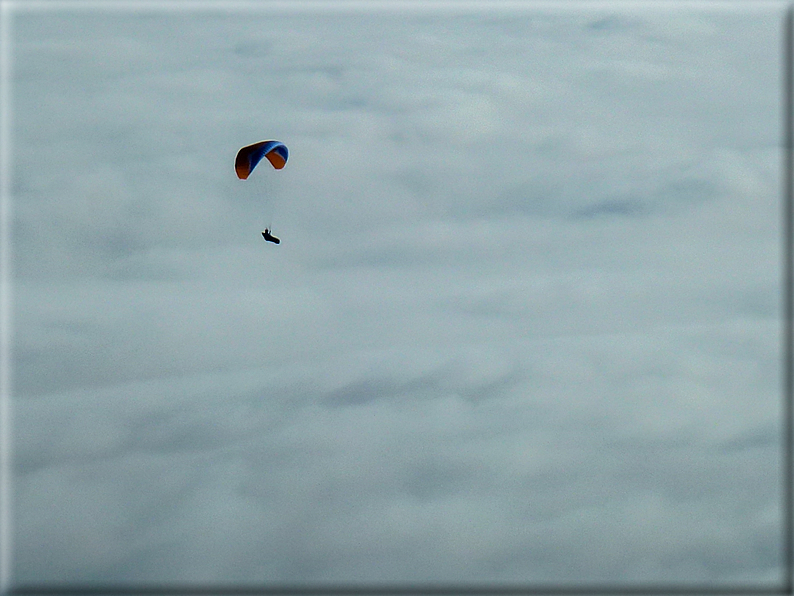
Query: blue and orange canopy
[(247, 158)]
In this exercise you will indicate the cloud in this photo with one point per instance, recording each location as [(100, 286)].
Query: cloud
[(523, 324)]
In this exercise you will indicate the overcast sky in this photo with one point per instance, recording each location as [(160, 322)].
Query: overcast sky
[(524, 324)]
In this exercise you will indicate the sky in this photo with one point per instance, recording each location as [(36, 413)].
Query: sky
[(524, 324)]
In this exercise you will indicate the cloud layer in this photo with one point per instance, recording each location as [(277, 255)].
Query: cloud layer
[(524, 324)]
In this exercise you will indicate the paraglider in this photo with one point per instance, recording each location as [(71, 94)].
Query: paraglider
[(269, 237), (249, 156)]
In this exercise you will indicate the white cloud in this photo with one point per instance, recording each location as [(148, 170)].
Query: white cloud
[(523, 322)]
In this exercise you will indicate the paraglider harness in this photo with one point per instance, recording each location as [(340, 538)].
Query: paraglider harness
[(269, 237)]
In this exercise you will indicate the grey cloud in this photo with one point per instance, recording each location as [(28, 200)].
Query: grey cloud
[(523, 324)]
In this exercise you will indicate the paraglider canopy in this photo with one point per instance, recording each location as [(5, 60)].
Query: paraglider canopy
[(247, 157)]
